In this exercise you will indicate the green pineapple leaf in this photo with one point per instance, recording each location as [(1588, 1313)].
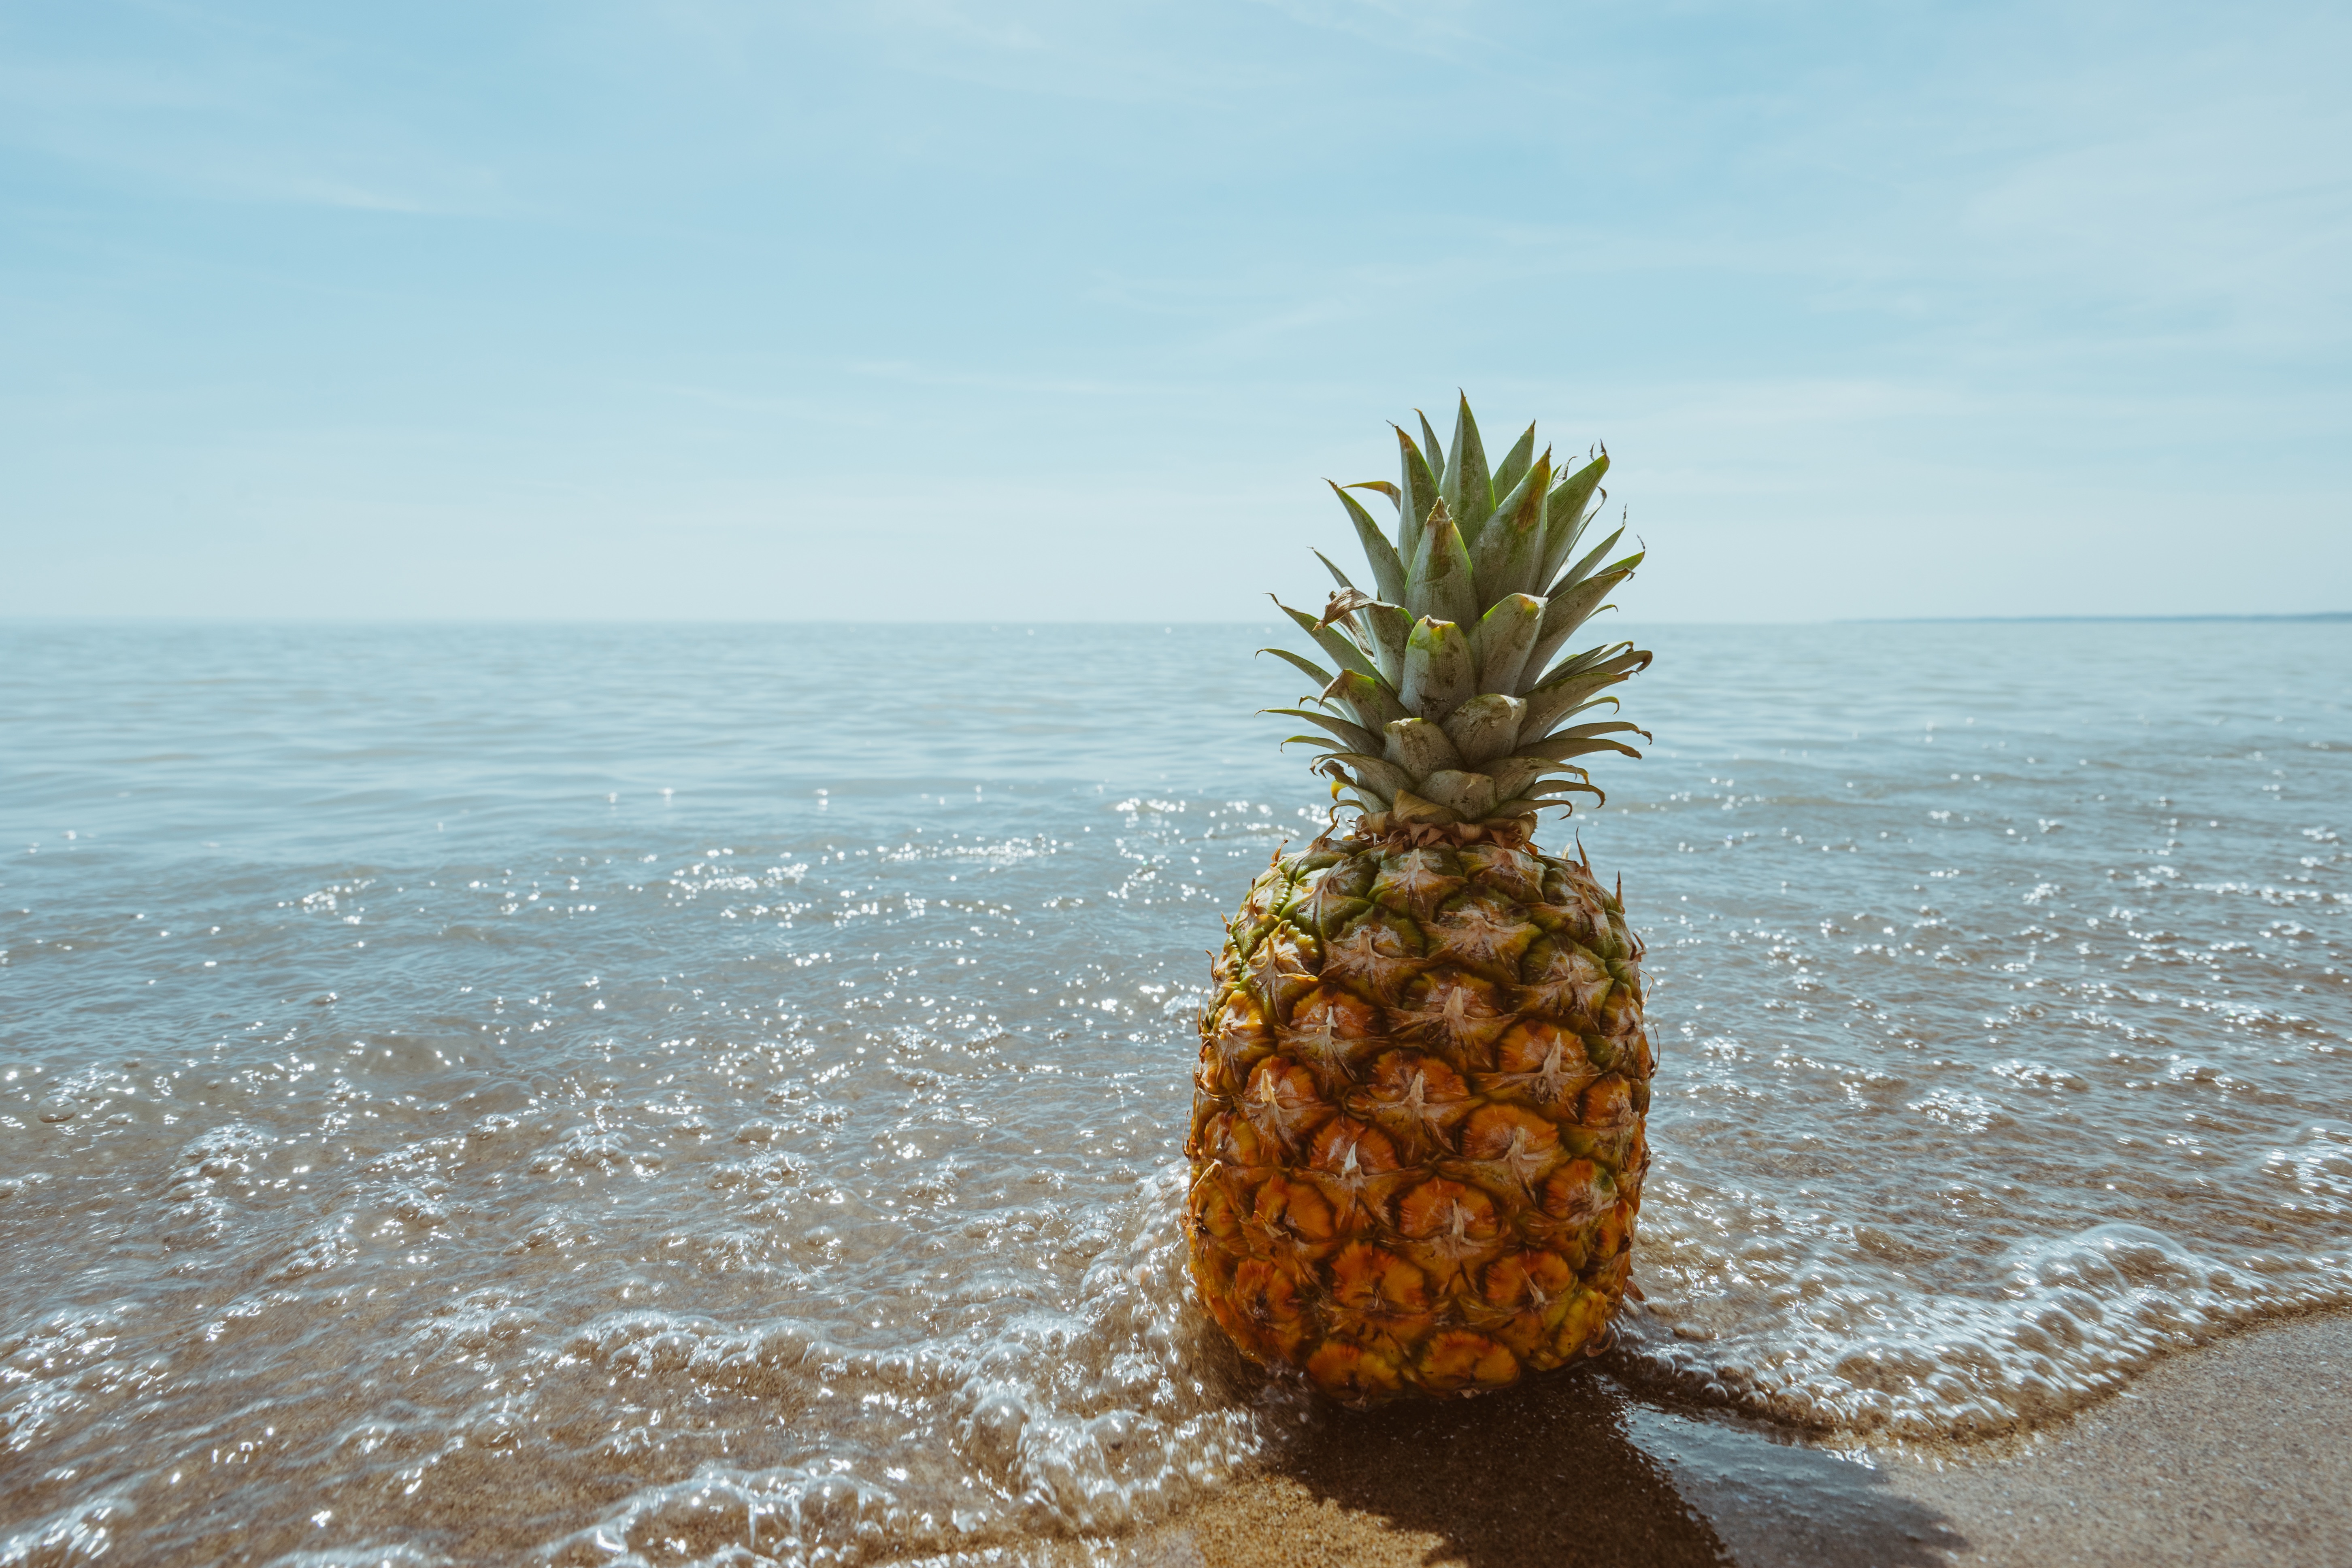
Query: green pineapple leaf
[(1522, 774), (1566, 511), (1560, 747), (1467, 487), (1353, 735), (1556, 705), (1485, 727), (1513, 775), (1431, 446), (1577, 573), (1374, 700), (1441, 584), (1416, 496), (1554, 786), (1549, 796), (1514, 465), (1410, 807), (1505, 635), (1331, 642), (1597, 657), (1587, 732), (1420, 747), (1569, 689), (1523, 808), (1470, 794), (1510, 547), (1440, 672), (1387, 571), (1571, 608), (1306, 667), (1372, 772), (1392, 629)]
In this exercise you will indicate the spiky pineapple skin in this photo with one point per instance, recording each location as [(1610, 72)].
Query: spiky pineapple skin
[(1417, 1139)]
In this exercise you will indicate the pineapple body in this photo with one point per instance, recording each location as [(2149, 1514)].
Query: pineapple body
[(1417, 1126)]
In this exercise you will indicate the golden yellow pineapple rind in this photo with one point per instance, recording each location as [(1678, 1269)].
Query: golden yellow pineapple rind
[(1416, 1138)]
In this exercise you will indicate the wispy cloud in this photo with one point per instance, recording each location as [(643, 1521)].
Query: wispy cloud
[(1435, 29), (200, 105), (1817, 272)]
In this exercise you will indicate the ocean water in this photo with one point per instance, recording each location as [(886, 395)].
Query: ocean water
[(667, 1095)]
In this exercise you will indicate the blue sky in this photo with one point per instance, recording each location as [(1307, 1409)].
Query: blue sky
[(940, 310)]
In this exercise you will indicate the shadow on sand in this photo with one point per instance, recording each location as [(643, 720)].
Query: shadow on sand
[(1569, 1469)]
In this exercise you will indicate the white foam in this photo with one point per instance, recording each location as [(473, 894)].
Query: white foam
[(1086, 1419), (1862, 1351)]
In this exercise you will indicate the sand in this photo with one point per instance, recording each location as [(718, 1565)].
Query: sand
[(2237, 1453)]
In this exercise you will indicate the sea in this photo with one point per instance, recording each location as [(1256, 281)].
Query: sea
[(662, 1095)]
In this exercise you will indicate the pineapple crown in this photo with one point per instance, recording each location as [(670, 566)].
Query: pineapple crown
[(1459, 713)]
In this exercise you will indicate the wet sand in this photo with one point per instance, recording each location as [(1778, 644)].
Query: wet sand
[(2239, 1453)]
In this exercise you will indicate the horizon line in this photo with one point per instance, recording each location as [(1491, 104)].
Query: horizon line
[(8, 620), (2016, 620)]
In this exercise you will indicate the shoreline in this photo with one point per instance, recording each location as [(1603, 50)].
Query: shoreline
[(2239, 1452)]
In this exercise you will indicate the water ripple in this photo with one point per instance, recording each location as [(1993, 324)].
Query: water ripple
[(579, 1096)]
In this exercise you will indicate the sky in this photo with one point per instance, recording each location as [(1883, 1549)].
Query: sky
[(934, 310)]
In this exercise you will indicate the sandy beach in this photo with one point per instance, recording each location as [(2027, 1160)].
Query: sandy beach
[(2237, 1453)]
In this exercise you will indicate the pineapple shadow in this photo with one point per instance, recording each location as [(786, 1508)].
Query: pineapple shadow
[(1567, 1469)]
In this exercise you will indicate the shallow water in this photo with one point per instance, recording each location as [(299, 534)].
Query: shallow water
[(505, 1094)]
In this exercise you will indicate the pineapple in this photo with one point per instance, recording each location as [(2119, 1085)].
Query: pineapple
[(1417, 1133)]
